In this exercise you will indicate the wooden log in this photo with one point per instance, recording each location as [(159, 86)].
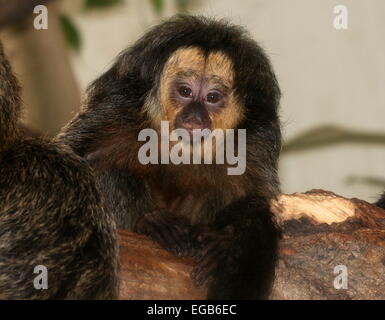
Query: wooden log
[(149, 272), (321, 231)]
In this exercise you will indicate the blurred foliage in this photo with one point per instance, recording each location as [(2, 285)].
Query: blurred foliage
[(182, 5), (368, 180), (71, 32), (158, 5), (91, 4), (326, 136)]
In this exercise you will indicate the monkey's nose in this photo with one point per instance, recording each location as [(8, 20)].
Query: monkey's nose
[(193, 128)]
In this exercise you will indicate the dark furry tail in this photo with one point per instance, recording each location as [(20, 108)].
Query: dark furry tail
[(9, 103), (57, 240)]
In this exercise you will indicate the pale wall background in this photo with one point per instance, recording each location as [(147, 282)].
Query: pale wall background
[(326, 76)]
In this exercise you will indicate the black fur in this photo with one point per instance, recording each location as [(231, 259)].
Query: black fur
[(381, 202), (51, 214), (241, 236)]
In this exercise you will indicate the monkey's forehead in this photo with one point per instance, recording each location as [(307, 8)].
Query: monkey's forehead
[(193, 60)]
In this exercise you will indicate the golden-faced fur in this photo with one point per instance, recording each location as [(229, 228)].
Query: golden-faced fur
[(213, 66)]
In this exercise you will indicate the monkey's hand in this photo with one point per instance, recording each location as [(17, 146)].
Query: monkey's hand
[(215, 251), (172, 232)]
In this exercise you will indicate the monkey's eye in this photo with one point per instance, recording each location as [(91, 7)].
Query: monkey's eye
[(213, 97), (185, 91)]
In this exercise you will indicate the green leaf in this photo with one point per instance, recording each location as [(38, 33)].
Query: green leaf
[(158, 5), (71, 32), (90, 4), (325, 136)]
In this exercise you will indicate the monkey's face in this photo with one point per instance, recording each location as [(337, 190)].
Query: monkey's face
[(196, 91)]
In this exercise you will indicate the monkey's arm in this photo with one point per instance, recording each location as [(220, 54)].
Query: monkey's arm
[(127, 196), (238, 252), (129, 199)]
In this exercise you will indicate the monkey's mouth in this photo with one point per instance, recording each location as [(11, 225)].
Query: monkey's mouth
[(193, 129)]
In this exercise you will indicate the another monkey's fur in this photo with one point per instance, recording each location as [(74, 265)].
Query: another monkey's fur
[(381, 202), (224, 221), (51, 214)]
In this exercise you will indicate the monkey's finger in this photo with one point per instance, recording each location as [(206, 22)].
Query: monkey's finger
[(170, 239), (205, 238), (186, 247), (180, 226), (194, 247), (204, 272), (192, 251), (177, 232), (173, 225), (151, 231), (208, 250), (206, 275), (179, 237), (213, 257), (156, 231), (194, 244), (154, 226), (208, 264), (145, 227), (147, 220)]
